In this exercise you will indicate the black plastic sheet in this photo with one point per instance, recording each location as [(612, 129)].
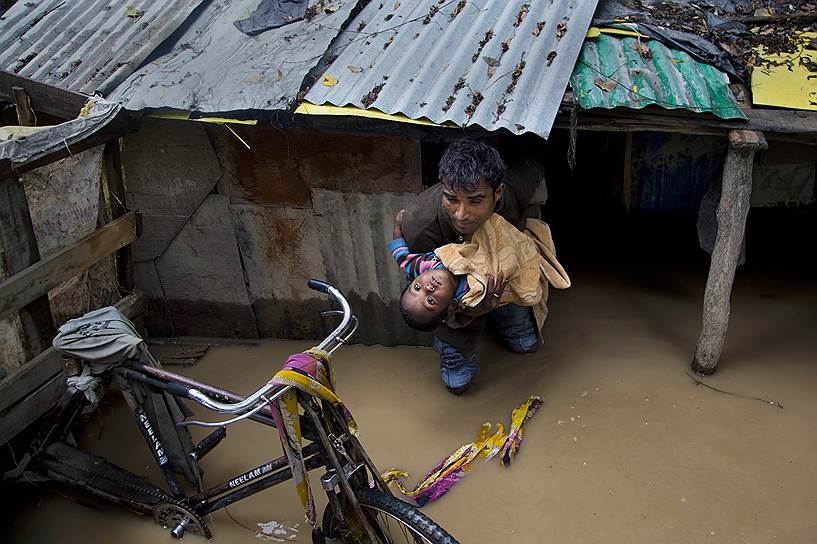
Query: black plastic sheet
[(610, 12)]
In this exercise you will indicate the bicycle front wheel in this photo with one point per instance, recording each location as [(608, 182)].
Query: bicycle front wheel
[(393, 521)]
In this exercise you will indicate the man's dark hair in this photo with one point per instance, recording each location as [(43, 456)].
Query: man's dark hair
[(427, 325), (467, 161)]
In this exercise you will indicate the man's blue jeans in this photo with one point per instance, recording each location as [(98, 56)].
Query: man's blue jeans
[(514, 323)]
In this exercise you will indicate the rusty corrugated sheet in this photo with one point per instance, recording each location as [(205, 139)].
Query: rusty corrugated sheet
[(85, 46), (612, 73), (492, 64), (211, 67)]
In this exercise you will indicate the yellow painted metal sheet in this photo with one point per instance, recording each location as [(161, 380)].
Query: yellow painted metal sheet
[(311, 109), (596, 31), (180, 115), (791, 84)]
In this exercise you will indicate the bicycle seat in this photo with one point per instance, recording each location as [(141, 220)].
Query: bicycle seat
[(103, 337)]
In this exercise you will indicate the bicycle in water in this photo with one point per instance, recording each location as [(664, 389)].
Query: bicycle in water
[(298, 401)]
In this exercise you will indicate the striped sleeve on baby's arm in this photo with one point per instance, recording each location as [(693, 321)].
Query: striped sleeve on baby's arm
[(412, 264)]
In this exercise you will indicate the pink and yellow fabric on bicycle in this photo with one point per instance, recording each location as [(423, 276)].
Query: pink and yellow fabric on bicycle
[(487, 445), (311, 373)]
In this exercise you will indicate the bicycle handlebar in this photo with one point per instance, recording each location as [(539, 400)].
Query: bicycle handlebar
[(318, 285), (336, 336)]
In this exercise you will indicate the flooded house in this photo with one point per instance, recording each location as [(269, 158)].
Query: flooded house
[(230, 166)]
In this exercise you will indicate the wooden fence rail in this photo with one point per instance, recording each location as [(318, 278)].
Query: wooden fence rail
[(31, 390), (39, 278), (35, 387)]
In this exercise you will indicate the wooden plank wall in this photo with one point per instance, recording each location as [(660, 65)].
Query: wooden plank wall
[(35, 387), (30, 391)]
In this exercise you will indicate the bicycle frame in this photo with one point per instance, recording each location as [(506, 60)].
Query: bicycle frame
[(321, 425), (325, 449)]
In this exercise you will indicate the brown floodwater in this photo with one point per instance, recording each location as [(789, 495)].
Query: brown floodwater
[(626, 448)]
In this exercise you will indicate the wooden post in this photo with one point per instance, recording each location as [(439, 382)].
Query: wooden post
[(19, 245), (116, 194), (18, 238), (627, 184), (25, 115), (732, 211)]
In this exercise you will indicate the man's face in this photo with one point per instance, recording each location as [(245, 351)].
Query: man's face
[(469, 210)]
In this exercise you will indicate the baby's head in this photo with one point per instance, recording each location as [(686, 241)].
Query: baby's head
[(427, 298)]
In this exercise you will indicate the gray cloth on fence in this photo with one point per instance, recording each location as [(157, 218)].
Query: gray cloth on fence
[(271, 14)]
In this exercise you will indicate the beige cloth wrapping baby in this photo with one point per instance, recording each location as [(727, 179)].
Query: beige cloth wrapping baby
[(527, 259)]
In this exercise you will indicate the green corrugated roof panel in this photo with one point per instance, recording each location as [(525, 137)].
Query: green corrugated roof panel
[(670, 78)]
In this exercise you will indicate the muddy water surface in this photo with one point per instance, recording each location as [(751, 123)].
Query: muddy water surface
[(626, 447)]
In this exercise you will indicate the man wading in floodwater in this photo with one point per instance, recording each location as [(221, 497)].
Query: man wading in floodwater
[(475, 183)]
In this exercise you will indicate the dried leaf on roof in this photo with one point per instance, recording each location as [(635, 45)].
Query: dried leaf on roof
[(476, 100), (457, 9), (370, 97), (134, 13), (642, 49), (523, 12), (431, 13), (517, 73), (605, 84), (485, 39)]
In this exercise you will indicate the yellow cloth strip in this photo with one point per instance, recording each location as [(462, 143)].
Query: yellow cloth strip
[(305, 108), (486, 445)]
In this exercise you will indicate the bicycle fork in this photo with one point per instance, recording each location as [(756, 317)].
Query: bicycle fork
[(338, 475)]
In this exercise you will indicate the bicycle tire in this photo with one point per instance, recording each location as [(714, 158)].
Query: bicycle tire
[(405, 514)]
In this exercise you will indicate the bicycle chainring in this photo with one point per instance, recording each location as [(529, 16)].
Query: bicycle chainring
[(169, 515)]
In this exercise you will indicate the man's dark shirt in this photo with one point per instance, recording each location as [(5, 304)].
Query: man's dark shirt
[(427, 225)]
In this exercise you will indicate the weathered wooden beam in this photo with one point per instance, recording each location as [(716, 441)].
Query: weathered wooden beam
[(116, 200), (19, 245), (801, 125), (121, 125), (32, 407), (44, 98), (39, 377), (731, 216), (25, 115), (39, 278)]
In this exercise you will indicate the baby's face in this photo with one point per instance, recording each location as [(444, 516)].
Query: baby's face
[(430, 293)]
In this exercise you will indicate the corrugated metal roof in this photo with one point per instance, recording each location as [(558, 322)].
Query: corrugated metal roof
[(493, 64), (611, 72), (85, 45), (212, 67)]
